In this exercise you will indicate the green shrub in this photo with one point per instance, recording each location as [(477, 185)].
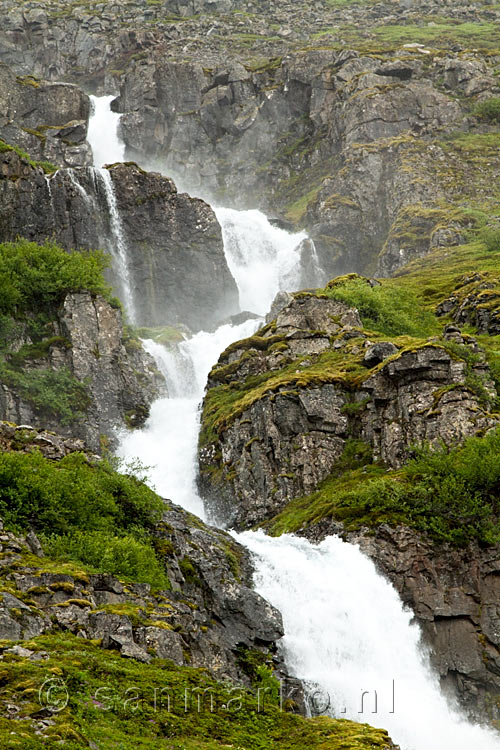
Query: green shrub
[(34, 277), (490, 235), (61, 497), (53, 392), (122, 556), (87, 513), (389, 310), (488, 110)]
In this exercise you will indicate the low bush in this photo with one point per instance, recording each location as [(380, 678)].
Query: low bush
[(123, 556), (488, 110), (88, 513), (34, 277), (490, 236)]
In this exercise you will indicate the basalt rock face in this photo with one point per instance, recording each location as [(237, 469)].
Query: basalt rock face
[(177, 264), (455, 596), (171, 244), (47, 120), (113, 380), (309, 382), (343, 144)]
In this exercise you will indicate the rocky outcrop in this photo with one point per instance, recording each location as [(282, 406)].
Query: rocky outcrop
[(475, 302), (85, 380), (47, 120), (209, 617), (168, 244), (281, 406), (455, 596)]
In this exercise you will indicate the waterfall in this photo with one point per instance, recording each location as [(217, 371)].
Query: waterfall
[(262, 259), (107, 146), (347, 633), (117, 244), (349, 637), (168, 442)]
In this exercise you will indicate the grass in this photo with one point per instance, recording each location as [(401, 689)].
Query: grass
[(47, 166), (118, 703), (450, 494), (442, 33)]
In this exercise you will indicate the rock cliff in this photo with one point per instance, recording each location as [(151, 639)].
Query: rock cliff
[(282, 406), (170, 243), (48, 120), (86, 378)]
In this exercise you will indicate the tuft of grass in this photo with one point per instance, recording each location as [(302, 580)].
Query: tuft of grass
[(47, 166)]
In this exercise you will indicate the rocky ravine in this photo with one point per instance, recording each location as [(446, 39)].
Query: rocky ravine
[(370, 142)]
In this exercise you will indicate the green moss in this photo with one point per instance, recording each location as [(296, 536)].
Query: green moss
[(161, 334), (189, 571), (47, 167), (119, 702)]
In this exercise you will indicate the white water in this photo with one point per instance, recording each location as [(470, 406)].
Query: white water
[(168, 442), (108, 148), (347, 632), (118, 244), (262, 259), (348, 635), (103, 132)]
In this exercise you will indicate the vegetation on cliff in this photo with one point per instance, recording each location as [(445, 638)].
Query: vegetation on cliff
[(34, 281), (450, 494), (83, 512), (113, 702)]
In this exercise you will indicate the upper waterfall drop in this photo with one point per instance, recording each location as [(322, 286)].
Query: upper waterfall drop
[(263, 259), (107, 146)]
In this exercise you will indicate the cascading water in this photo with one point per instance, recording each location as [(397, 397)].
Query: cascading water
[(262, 259), (347, 632), (118, 244), (168, 442), (107, 147), (349, 637)]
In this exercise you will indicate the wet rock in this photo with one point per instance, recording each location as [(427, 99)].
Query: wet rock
[(378, 352)]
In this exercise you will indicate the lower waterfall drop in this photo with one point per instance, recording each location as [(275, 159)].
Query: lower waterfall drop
[(348, 636)]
